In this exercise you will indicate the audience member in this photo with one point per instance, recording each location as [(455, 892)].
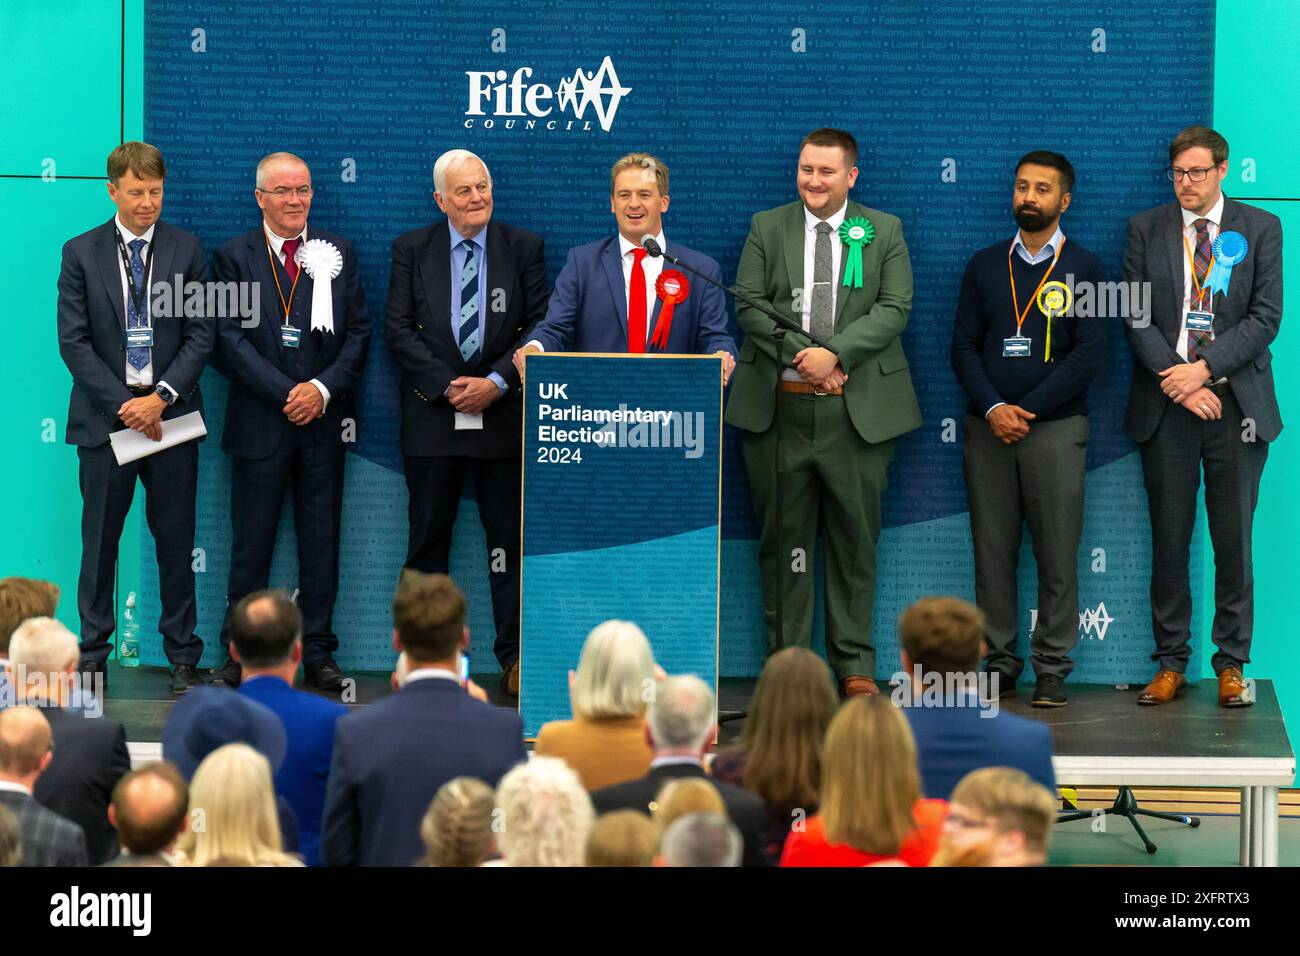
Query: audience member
[(457, 830), (150, 809), (266, 640), (955, 731), (90, 755), (605, 742), (997, 816), (624, 838), (21, 598), (232, 813), (391, 757), (701, 839), (684, 796), (11, 839), (871, 804), (779, 757), (680, 728), (545, 814), (25, 753)]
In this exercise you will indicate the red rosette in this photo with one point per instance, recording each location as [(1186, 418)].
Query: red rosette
[(672, 288)]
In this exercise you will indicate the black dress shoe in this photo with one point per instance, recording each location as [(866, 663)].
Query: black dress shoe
[(325, 675), (228, 673), (94, 667), (185, 676), (1005, 686), (1050, 692)]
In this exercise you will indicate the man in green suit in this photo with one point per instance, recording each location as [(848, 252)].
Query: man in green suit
[(843, 270)]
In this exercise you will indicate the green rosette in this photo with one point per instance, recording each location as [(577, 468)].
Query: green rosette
[(855, 233)]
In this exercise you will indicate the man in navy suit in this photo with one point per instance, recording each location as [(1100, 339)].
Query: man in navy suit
[(291, 412), (266, 640), (610, 295), (390, 758), (133, 369), (956, 732), (463, 295)]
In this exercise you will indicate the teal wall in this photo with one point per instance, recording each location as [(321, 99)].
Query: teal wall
[(75, 107)]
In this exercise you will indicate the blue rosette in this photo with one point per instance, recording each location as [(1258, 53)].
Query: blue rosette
[(1229, 249)]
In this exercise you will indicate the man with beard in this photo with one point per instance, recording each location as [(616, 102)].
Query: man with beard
[(1025, 362), (997, 817)]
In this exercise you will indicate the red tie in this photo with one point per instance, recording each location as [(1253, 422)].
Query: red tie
[(636, 317), (290, 264)]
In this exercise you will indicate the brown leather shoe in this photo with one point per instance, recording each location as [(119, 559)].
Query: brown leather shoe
[(1233, 689), (857, 686), (1163, 688), (510, 680)]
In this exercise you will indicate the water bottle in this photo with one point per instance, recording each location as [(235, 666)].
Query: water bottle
[(128, 648)]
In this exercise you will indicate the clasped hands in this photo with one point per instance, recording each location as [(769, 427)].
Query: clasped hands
[(305, 404), (820, 368), (471, 395), (143, 415), (1185, 384)]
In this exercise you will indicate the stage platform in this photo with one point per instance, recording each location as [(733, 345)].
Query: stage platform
[(1104, 737)]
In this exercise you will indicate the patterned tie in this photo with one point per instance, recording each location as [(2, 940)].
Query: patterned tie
[(290, 263), (1197, 339), (821, 317), (138, 356), (467, 330), (636, 311)]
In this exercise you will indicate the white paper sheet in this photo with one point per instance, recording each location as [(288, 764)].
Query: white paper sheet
[(130, 445)]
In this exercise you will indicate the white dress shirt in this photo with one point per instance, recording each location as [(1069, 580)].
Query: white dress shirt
[(652, 266), (277, 246), (135, 376), (809, 255), (1215, 216), (430, 673), (14, 787)]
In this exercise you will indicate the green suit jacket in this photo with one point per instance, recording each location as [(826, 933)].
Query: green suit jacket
[(869, 323)]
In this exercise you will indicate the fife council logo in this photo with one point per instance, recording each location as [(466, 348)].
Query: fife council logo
[(1093, 622), (509, 101)]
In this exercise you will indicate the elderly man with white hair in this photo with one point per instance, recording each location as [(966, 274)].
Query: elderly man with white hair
[(544, 813), (680, 727), (464, 293), (90, 754), (701, 839)]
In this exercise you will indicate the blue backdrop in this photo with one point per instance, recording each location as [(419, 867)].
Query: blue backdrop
[(943, 99)]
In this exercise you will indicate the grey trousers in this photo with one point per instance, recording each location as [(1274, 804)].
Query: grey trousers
[(1036, 481)]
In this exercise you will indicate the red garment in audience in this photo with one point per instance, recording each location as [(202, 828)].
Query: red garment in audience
[(810, 848)]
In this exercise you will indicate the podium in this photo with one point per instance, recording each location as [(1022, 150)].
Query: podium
[(622, 458)]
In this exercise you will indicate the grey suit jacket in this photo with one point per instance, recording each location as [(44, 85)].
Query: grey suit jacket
[(1246, 319), (48, 839)]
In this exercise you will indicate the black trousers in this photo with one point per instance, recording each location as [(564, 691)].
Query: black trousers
[(1233, 461), (435, 484), (258, 486), (170, 480)]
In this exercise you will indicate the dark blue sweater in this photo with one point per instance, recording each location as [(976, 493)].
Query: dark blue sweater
[(1053, 389)]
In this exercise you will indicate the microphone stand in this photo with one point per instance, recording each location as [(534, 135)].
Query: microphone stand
[(783, 326)]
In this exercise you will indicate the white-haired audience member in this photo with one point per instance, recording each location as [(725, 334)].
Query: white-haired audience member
[(90, 756), (997, 816), (232, 813), (457, 830), (47, 838), (605, 742), (701, 839), (545, 815), (680, 727), (149, 811)]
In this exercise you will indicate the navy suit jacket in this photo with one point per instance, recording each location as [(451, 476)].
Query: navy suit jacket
[(391, 757), (262, 371), (953, 741), (309, 721), (92, 328), (588, 309)]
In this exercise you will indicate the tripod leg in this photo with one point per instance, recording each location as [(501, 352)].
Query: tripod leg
[(1151, 847), (1185, 820)]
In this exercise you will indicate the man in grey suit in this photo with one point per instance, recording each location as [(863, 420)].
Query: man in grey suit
[(1203, 397), (25, 751)]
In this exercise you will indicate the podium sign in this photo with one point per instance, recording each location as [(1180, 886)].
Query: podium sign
[(621, 504)]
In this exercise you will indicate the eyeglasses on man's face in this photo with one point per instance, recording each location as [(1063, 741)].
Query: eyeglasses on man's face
[(303, 192), (1196, 175)]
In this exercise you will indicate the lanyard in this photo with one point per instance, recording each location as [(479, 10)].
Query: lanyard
[(138, 295), (287, 306), (1015, 302), (1197, 283)]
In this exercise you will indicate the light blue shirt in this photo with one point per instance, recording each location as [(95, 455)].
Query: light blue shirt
[(479, 245), (1043, 254)]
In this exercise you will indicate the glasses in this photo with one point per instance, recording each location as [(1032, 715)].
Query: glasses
[(1195, 175), (958, 822), (284, 192)]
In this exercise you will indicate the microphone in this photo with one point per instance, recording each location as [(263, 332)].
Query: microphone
[(654, 251)]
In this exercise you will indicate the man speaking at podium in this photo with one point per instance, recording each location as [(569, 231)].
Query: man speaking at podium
[(843, 270), (612, 296)]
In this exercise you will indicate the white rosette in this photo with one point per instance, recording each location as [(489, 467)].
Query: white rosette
[(323, 262)]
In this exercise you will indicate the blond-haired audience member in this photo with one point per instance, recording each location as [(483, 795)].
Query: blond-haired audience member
[(684, 796), (605, 742), (457, 830), (232, 813), (545, 815), (623, 838), (871, 803), (997, 816)]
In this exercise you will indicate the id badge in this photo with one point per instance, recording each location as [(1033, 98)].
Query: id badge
[(1200, 321), (141, 338), (1016, 346), (290, 337)]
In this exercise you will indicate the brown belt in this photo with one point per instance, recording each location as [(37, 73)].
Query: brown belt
[(803, 388)]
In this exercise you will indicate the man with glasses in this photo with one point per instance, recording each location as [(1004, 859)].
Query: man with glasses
[(1202, 397), (997, 816), (291, 411)]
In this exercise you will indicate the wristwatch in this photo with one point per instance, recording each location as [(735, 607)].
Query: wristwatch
[(165, 393)]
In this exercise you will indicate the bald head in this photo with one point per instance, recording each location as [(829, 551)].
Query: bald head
[(149, 808), (263, 629), (24, 743)]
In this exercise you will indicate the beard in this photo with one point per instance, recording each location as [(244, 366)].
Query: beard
[(1031, 220), (980, 854)]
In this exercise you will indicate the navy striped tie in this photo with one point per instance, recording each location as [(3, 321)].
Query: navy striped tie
[(138, 356), (467, 333)]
